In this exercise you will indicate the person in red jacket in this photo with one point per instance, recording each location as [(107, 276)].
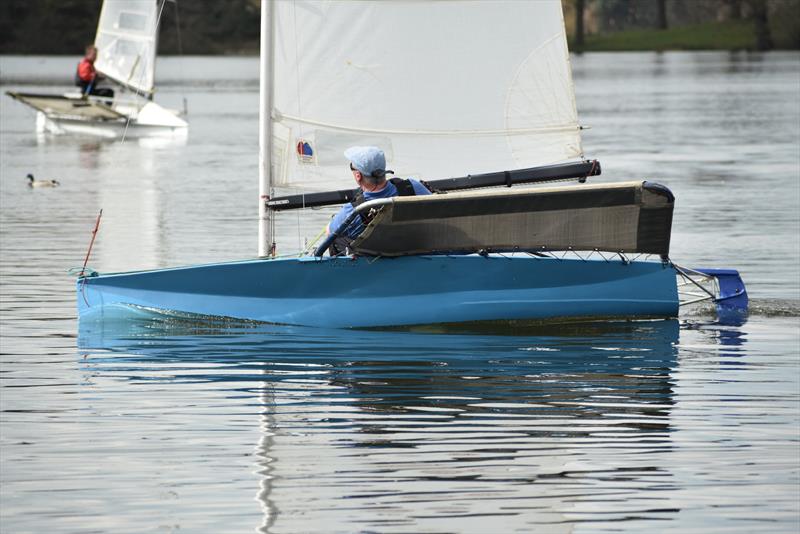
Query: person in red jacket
[(87, 77)]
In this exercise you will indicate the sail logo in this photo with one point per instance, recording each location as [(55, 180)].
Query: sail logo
[(305, 153)]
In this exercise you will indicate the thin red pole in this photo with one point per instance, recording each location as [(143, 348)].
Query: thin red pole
[(91, 244)]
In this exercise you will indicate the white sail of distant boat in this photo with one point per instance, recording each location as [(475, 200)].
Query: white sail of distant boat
[(126, 41), (466, 95)]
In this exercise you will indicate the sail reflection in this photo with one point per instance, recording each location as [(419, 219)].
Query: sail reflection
[(409, 430)]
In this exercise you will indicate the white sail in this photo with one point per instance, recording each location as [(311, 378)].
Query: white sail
[(445, 87), (126, 42)]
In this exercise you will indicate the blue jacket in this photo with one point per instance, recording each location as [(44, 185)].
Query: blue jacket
[(356, 227)]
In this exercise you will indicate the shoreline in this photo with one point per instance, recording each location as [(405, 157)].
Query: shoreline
[(732, 35), (582, 51)]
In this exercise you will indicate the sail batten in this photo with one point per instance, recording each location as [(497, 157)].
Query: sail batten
[(126, 43), (398, 131), (445, 88)]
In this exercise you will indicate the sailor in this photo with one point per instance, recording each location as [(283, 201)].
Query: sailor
[(368, 165), (86, 76)]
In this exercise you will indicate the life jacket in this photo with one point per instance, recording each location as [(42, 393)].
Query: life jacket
[(404, 189), (85, 73)]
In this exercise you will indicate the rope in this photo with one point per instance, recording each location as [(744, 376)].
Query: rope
[(76, 271), (313, 243)]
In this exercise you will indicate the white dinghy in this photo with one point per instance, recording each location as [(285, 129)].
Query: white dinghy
[(126, 41)]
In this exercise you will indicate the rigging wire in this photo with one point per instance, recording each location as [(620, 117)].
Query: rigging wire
[(310, 246), (180, 56)]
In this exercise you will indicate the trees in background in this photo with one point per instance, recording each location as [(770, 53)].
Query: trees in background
[(661, 14), (734, 9), (47, 26), (774, 22), (66, 26), (580, 13), (760, 17), (232, 26)]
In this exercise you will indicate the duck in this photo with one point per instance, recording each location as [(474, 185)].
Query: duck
[(33, 182)]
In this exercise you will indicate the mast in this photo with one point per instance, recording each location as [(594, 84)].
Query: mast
[(265, 230)]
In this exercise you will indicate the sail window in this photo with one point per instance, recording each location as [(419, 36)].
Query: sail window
[(125, 48), (132, 21)]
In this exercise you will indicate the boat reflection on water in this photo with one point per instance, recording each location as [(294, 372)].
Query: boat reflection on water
[(87, 142), (412, 430)]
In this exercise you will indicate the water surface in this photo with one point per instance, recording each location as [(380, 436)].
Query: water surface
[(687, 425)]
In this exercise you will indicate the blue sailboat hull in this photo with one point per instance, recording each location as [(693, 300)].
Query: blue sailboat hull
[(368, 292)]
